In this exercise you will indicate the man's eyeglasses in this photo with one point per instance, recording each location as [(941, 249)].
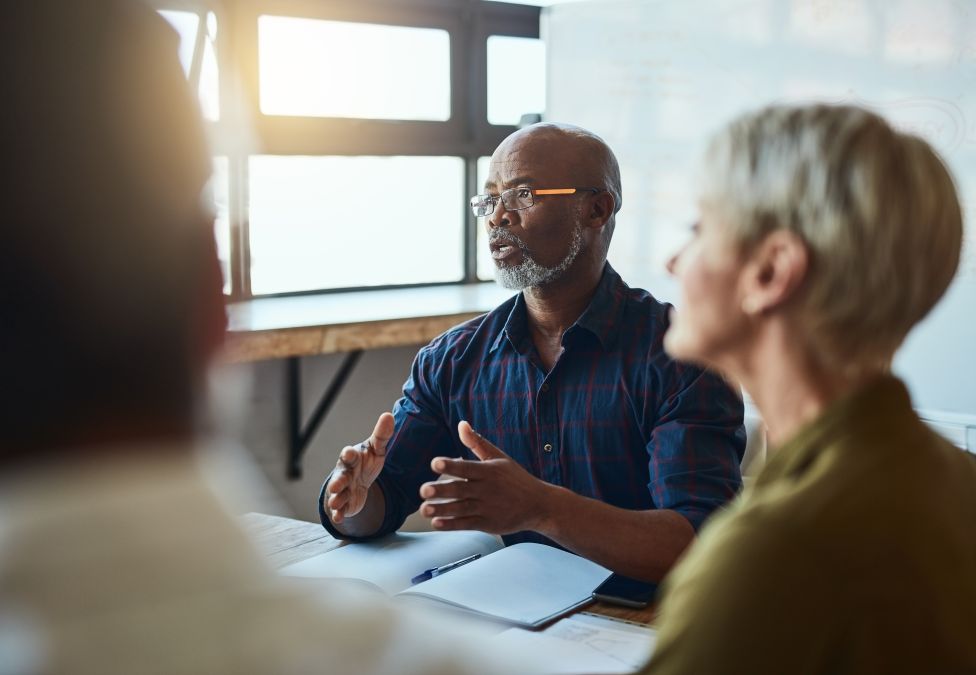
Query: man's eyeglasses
[(518, 198)]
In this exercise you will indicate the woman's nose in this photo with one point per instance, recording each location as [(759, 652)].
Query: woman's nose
[(672, 264)]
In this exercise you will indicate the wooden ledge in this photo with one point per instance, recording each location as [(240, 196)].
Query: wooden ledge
[(272, 328)]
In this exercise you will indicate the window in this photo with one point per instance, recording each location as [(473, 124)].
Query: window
[(218, 192), (186, 24), (209, 88), (333, 222), (200, 69), (351, 134), (486, 266), (341, 69), (516, 78)]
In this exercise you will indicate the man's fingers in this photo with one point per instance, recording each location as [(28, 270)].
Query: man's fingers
[(381, 435), (338, 501), (339, 481), (462, 468), (477, 443), (451, 509), (466, 523), (349, 458), (448, 489)]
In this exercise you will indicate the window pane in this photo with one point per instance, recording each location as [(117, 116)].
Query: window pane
[(218, 191), (186, 24), (340, 222), (209, 81), (516, 78), (486, 266), (314, 68)]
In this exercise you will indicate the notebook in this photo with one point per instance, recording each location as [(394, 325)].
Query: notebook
[(525, 585)]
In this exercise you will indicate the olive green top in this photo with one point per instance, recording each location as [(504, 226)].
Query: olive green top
[(853, 552)]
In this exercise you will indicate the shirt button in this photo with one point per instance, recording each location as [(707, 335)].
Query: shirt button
[(545, 388), (547, 447)]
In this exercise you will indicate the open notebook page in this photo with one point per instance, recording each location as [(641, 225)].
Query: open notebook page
[(525, 584), (389, 563)]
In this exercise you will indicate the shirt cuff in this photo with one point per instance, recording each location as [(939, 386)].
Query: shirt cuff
[(334, 531)]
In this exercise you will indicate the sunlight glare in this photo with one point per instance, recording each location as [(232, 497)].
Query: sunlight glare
[(310, 67)]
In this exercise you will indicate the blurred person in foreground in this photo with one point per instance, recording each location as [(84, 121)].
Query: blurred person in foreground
[(115, 553), (824, 237)]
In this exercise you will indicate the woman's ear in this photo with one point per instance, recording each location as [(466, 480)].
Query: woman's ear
[(775, 271)]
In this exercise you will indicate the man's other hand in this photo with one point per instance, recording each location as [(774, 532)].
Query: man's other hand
[(357, 468), (493, 494)]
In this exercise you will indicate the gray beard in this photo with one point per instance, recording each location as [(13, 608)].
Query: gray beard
[(530, 273)]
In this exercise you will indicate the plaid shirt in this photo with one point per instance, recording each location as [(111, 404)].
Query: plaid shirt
[(616, 419)]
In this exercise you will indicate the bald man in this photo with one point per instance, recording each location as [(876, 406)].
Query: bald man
[(558, 414)]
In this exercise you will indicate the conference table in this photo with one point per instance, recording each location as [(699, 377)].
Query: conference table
[(285, 541)]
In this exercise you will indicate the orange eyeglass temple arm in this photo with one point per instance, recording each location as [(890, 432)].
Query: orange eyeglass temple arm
[(556, 191)]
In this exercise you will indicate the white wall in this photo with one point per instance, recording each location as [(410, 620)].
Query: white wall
[(655, 78)]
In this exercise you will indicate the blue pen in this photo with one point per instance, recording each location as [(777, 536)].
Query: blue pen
[(437, 571)]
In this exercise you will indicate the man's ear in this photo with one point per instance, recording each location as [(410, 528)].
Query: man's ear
[(601, 209), (776, 269)]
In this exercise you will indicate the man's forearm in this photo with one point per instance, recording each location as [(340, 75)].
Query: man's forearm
[(365, 523), (640, 544)]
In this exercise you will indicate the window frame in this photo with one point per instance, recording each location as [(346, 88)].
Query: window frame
[(465, 134)]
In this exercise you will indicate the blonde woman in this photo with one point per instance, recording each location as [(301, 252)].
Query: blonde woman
[(824, 237)]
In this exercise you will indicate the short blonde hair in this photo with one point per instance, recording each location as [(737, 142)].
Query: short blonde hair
[(876, 208)]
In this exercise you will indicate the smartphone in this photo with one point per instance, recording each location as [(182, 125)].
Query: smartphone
[(621, 590)]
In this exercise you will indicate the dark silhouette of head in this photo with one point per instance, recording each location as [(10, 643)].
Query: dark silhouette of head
[(109, 283)]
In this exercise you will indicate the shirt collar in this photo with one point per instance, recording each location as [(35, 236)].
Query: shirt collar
[(601, 317), (516, 327)]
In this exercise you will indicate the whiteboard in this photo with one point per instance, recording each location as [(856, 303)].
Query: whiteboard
[(655, 78)]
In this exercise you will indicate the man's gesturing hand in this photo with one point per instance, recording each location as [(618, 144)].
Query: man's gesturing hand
[(495, 494), (357, 468)]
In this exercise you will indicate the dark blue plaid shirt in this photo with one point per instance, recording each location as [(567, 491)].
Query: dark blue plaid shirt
[(616, 419)]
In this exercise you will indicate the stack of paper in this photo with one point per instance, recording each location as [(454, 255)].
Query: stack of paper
[(582, 643)]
